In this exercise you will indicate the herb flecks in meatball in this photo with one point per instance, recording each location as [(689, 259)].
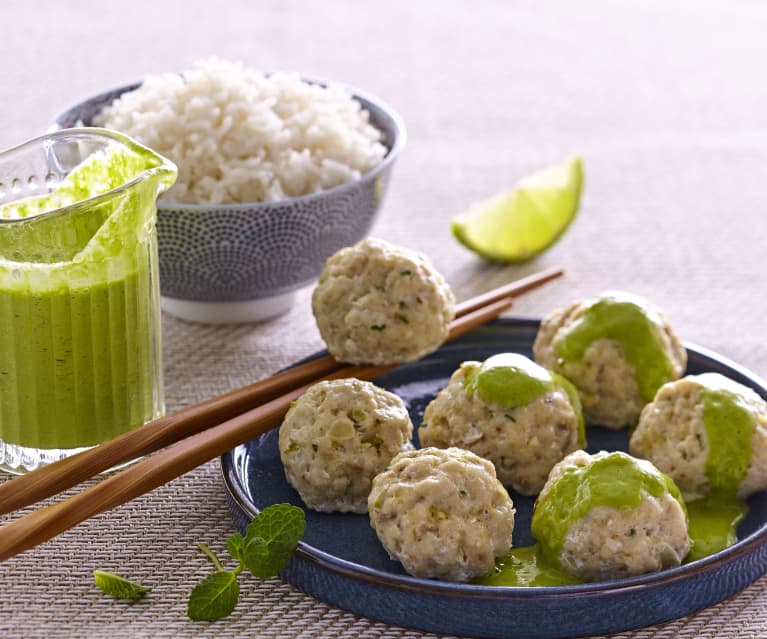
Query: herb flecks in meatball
[(442, 513), (511, 411), (338, 436), (377, 303)]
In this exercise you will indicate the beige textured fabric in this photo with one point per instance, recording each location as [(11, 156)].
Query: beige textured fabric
[(667, 105)]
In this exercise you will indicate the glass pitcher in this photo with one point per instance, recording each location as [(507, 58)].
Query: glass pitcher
[(79, 296)]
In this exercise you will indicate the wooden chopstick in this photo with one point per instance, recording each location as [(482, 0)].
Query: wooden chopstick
[(154, 471), (52, 479)]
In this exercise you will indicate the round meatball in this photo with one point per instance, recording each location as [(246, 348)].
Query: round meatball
[(678, 432), (614, 384), (608, 516), (339, 435), (442, 513), (377, 303), (523, 438)]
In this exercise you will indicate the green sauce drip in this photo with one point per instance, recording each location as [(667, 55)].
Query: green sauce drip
[(511, 379), (625, 319), (575, 401), (729, 425), (617, 480), (527, 566), (713, 523), (712, 520)]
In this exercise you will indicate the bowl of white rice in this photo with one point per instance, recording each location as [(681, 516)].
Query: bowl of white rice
[(276, 173)]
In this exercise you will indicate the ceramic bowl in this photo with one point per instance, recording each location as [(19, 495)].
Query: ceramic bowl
[(246, 262)]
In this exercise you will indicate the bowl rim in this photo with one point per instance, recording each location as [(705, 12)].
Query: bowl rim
[(366, 100)]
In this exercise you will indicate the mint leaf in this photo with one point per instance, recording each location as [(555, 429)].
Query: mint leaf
[(258, 558), (271, 538), (235, 546), (269, 542), (214, 597), (119, 587)]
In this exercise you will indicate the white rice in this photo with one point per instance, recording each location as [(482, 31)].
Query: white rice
[(237, 135)]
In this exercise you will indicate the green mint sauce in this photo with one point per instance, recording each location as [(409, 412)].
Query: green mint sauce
[(617, 480), (623, 318), (511, 379), (729, 426), (76, 359), (713, 523), (527, 566)]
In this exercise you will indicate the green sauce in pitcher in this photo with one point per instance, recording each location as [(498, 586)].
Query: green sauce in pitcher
[(79, 298)]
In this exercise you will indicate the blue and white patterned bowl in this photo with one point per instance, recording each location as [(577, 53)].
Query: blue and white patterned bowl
[(244, 262)]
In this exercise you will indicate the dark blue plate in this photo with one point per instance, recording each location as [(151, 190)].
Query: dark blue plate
[(341, 561)]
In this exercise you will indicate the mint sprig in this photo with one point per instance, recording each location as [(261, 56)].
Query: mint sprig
[(269, 542), (119, 587)]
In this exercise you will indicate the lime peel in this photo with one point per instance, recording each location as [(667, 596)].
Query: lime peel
[(519, 224)]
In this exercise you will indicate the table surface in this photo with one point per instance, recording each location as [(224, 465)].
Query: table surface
[(666, 104)]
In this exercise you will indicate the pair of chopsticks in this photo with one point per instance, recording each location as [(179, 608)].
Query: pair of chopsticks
[(194, 435)]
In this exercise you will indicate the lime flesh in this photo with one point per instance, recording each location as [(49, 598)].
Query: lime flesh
[(519, 224)]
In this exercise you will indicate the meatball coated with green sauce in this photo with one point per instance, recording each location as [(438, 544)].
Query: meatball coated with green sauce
[(609, 515), (616, 349), (442, 513), (709, 434), (339, 435), (377, 303), (511, 411)]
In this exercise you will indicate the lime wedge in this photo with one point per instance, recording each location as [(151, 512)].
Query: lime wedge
[(519, 224)]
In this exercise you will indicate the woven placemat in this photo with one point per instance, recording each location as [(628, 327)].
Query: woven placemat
[(49, 592), (666, 104)]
